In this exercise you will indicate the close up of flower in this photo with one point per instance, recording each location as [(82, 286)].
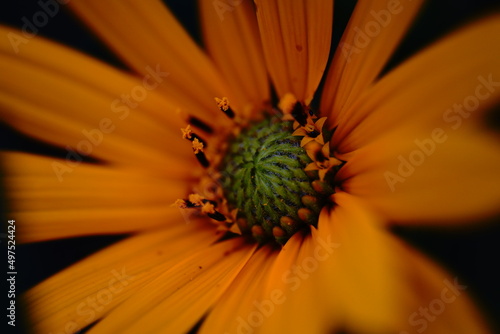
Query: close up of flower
[(257, 176)]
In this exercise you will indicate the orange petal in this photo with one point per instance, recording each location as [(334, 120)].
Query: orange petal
[(148, 34), (86, 291), (376, 284), (232, 39), (177, 299), (455, 80), (295, 284), (92, 199), (238, 306), (358, 274), (70, 100), (416, 174), (296, 38), (436, 302), (370, 38)]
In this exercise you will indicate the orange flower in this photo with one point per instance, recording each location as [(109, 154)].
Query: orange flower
[(404, 148)]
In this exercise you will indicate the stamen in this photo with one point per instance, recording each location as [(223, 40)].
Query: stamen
[(223, 105), (195, 121), (188, 134), (180, 203), (202, 159), (200, 124), (197, 146), (198, 151), (207, 206), (217, 216), (196, 199), (185, 204)]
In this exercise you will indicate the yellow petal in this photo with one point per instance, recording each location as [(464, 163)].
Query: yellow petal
[(370, 38), (277, 283), (436, 302), (233, 41), (416, 174), (177, 299), (296, 39), (375, 283), (86, 291), (244, 300), (299, 296), (453, 81), (91, 199), (33, 185), (147, 34), (358, 268), (86, 107), (55, 224)]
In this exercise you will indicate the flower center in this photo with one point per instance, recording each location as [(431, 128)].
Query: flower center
[(263, 176), (274, 177)]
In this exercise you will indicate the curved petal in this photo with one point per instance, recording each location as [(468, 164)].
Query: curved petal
[(422, 174), (295, 287), (296, 37), (437, 302), (381, 284), (90, 109), (370, 38), (232, 38), (148, 35), (238, 305), (176, 300), (359, 275), (91, 199), (456, 78), (88, 290)]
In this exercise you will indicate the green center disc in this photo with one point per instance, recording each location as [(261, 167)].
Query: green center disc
[(263, 177)]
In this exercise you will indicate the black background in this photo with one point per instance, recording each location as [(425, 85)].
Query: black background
[(470, 254)]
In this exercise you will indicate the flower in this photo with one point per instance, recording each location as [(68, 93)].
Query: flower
[(400, 136)]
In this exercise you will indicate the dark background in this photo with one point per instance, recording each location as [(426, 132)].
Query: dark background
[(471, 255)]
